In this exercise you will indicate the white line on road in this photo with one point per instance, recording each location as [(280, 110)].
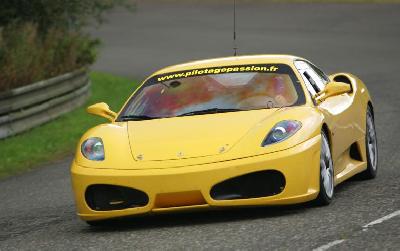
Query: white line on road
[(365, 228), (329, 245), (380, 220)]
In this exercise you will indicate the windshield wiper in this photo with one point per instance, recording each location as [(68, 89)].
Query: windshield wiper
[(137, 117), (209, 111), (199, 112)]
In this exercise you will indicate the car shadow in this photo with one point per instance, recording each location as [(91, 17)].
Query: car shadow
[(203, 217), (356, 180)]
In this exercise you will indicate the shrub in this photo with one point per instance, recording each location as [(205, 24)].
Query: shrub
[(27, 57), (40, 39)]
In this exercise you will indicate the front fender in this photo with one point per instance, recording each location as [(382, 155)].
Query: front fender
[(116, 146), (310, 118)]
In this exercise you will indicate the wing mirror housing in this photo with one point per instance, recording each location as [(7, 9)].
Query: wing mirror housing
[(102, 110), (332, 89)]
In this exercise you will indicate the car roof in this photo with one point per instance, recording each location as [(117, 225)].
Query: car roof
[(230, 61)]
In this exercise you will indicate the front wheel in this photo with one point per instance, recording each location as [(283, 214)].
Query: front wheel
[(326, 178)]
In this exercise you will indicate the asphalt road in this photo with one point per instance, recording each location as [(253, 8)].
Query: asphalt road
[(37, 209)]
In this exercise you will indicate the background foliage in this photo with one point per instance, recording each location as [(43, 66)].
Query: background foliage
[(40, 39), (71, 14)]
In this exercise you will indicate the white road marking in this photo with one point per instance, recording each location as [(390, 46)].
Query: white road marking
[(380, 220), (365, 228), (329, 245)]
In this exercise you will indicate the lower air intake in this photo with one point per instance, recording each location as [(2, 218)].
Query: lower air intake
[(251, 185), (110, 197)]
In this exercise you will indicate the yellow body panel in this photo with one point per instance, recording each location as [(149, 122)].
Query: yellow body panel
[(301, 185), (176, 161)]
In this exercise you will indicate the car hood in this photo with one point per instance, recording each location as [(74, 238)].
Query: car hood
[(191, 136)]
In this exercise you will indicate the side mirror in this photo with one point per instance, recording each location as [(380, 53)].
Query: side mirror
[(102, 110), (332, 89)]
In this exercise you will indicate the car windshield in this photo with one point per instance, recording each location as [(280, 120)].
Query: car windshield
[(195, 93)]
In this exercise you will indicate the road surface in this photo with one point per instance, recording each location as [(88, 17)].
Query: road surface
[(37, 210)]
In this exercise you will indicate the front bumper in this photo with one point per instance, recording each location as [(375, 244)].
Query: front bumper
[(189, 187)]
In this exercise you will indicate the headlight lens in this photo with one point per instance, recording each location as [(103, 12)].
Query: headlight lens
[(93, 149), (281, 131)]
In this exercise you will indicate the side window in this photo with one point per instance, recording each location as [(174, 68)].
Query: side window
[(315, 79), (314, 85), (320, 73), (311, 85)]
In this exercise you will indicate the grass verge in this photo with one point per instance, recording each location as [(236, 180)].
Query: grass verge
[(59, 137)]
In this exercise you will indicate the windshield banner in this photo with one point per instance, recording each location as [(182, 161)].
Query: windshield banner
[(218, 70)]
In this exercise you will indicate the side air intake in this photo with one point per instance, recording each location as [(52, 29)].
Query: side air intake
[(251, 185), (110, 197)]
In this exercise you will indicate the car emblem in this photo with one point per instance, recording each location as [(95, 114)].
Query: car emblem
[(140, 157), (179, 154)]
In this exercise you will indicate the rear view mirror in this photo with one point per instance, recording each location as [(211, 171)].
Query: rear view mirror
[(102, 110), (332, 89)]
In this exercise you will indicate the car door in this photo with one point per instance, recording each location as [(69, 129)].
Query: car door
[(338, 111)]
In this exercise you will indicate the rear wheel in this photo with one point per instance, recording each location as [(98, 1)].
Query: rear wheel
[(326, 178), (371, 147)]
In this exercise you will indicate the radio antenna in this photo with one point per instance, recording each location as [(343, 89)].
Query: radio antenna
[(234, 29)]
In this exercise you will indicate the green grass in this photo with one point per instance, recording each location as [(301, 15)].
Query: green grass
[(58, 138)]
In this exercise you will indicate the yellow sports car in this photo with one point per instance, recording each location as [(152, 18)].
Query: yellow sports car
[(237, 131)]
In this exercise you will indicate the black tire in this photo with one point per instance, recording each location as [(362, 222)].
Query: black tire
[(326, 191), (372, 161)]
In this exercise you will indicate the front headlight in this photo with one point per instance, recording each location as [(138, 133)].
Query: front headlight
[(93, 149), (281, 131)]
